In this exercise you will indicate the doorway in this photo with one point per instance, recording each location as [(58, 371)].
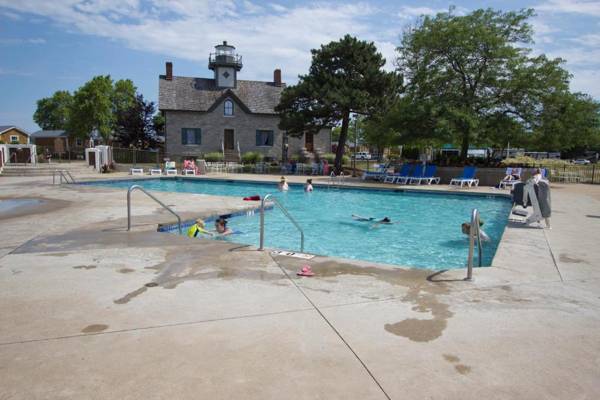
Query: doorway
[(309, 142), (228, 140)]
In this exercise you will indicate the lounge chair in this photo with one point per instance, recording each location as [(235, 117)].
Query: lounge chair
[(415, 177), (467, 178), (170, 168), (155, 171), (379, 173), (429, 175), (515, 177), (404, 172), (136, 171)]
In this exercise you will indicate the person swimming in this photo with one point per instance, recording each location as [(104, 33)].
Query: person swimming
[(308, 187), (198, 229), (466, 229), (383, 221), (221, 227), (283, 185)]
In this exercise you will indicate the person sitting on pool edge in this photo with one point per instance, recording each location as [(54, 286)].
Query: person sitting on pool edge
[(221, 227), (198, 229), (466, 229), (308, 187), (282, 185)]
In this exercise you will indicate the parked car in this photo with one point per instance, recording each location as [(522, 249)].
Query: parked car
[(581, 161), (362, 155)]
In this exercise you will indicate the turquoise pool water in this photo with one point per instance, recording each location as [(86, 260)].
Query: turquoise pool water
[(426, 232)]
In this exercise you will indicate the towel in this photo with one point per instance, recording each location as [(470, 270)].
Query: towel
[(543, 194), (517, 195)]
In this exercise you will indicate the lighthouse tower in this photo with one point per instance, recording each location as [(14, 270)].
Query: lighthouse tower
[(225, 64)]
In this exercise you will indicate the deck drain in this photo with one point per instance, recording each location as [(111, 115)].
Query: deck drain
[(151, 284)]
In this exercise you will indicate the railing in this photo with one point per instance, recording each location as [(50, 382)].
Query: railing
[(336, 179), (285, 212), (135, 156), (63, 174), (474, 233), (239, 152), (138, 187)]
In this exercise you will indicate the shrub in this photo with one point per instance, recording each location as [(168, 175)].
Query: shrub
[(329, 157), (213, 157), (252, 157), (531, 162)]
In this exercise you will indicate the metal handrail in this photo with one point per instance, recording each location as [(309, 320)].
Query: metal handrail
[(474, 232), (63, 174), (169, 209), (285, 212)]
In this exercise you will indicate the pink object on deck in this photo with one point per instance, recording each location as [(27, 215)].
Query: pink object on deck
[(305, 271)]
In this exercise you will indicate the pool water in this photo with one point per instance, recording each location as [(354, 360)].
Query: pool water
[(426, 229)]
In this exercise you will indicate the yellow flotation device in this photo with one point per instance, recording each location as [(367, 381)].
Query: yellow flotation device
[(196, 230)]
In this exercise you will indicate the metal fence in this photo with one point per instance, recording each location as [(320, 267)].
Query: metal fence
[(135, 156), (574, 173)]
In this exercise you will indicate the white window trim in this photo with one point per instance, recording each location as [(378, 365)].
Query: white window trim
[(14, 136), (232, 108)]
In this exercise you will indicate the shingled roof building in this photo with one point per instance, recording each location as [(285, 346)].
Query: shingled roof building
[(225, 114)]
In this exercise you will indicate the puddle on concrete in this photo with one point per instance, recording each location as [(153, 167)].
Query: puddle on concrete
[(126, 270), (451, 358), (462, 369), (13, 207), (84, 267), (131, 295), (94, 328)]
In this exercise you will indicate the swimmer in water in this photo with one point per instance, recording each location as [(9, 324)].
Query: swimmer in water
[(466, 229), (198, 229), (221, 227)]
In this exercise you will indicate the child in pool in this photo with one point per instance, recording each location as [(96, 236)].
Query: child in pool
[(221, 227), (466, 229), (308, 187), (283, 186), (198, 229)]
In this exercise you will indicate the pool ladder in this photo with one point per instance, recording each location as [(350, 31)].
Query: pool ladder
[(63, 174), (285, 212), (333, 179), (474, 234), (166, 207)]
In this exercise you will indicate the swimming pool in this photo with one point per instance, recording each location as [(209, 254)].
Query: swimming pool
[(426, 231)]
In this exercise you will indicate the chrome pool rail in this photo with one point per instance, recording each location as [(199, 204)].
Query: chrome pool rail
[(336, 179), (63, 174), (474, 233), (285, 212), (169, 209)]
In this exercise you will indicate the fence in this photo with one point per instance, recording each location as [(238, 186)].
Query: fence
[(574, 173), (135, 156)]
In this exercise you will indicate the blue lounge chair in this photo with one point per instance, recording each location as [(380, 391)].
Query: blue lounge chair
[(417, 173), (404, 172), (428, 176), (467, 178)]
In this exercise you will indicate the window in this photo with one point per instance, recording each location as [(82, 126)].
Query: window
[(14, 139), (191, 136), (78, 142), (264, 138), (228, 108)]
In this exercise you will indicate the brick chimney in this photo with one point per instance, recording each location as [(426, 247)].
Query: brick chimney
[(277, 77), (169, 74)]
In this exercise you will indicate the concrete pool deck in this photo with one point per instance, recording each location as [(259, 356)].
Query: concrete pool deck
[(89, 310)]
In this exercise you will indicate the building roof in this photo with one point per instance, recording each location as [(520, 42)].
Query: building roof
[(201, 94), (49, 134), (4, 128)]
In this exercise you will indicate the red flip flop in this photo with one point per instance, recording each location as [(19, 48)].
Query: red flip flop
[(305, 271)]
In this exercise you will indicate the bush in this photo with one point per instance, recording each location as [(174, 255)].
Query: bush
[(252, 157), (330, 158), (213, 157), (523, 161)]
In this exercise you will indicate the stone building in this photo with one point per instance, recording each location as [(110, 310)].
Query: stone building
[(228, 115)]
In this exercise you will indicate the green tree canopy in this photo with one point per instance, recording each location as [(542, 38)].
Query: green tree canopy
[(93, 108), (345, 77), (53, 112), (472, 77)]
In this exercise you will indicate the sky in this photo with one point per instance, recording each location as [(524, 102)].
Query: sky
[(47, 46)]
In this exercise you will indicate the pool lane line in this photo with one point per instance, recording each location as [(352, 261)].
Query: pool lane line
[(387, 396)]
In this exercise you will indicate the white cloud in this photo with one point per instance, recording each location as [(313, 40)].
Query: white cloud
[(189, 29), (585, 7), (18, 41), (586, 81)]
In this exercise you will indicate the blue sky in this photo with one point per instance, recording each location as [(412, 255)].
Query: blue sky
[(60, 44)]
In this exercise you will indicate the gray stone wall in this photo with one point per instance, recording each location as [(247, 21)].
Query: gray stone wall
[(244, 125)]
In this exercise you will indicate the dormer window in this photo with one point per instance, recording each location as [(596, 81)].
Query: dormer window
[(228, 108)]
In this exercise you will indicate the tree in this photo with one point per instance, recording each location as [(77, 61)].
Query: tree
[(123, 97), (53, 112), (159, 123), (93, 108), (345, 77), (136, 125), (473, 72)]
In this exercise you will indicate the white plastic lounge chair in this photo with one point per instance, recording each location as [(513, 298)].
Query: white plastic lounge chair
[(188, 172), (155, 171), (467, 178), (379, 173), (417, 174), (504, 183), (136, 171), (170, 168), (404, 172), (429, 175)]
